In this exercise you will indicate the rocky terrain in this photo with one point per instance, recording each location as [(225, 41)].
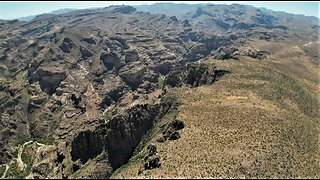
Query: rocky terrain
[(234, 18), (97, 93)]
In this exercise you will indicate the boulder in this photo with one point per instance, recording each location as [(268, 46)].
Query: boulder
[(112, 95), (251, 52), (174, 18), (77, 102), (147, 86)]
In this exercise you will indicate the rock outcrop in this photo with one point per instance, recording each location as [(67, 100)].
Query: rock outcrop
[(194, 75), (119, 136), (49, 78), (170, 131), (132, 74), (66, 45), (152, 160), (87, 83), (111, 60)]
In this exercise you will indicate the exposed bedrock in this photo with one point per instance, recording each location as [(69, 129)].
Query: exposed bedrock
[(111, 60), (49, 78), (120, 135), (66, 45), (132, 74), (194, 75)]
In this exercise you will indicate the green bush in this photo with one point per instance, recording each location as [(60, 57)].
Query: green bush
[(161, 81), (106, 115)]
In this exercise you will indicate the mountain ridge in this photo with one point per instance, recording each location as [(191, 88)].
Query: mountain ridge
[(115, 92), (156, 8)]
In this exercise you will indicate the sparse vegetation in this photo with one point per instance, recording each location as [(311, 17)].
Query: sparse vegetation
[(260, 121), (222, 91), (14, 171), (28, 153), (2, 169), (15, 152), (27, 158), (151, 136)]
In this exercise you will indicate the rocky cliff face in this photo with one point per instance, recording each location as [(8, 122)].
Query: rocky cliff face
[(113, 140), (193, 75), (64, 73), (87, 83), (118, 136)]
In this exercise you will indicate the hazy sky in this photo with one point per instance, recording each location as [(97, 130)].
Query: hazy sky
[(11, 10)]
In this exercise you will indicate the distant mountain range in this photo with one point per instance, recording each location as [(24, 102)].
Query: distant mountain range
[(59, 11), (222, 18), (170, 9)]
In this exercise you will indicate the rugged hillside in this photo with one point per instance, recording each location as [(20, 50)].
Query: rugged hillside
[(222, 19), (243, 23), (62, 76), (259, 121), (85, 92)]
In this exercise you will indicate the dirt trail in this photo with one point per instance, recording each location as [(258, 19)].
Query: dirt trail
[(5, 172), (20, 162)]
